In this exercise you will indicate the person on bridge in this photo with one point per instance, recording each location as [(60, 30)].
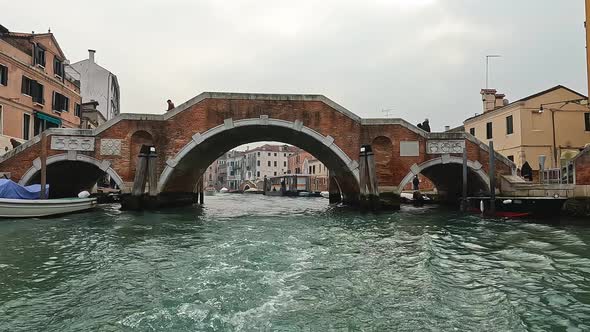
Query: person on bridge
[(170, 104), (416, 182), (426, 125)]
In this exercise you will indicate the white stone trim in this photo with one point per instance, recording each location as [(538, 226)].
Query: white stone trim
[(103, 165), (171, 163), (442, 160)]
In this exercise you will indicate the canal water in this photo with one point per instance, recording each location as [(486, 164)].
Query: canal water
[(255, 263)]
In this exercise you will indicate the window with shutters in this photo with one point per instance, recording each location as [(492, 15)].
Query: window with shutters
[(275, 163), (3, 75), (509, 125), (77, 110), (269, 163), (58, 67), (39, 55), (60, 102), (33, 89), (26, 126)]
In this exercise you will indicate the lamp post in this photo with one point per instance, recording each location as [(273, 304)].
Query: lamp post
[(488, 67)]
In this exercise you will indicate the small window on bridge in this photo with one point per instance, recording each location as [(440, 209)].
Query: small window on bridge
[(489, 130)]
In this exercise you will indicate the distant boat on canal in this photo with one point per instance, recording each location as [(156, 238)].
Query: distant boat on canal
[(293, 185)]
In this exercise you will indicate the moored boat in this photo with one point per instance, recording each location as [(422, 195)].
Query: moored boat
[(18, 201), (24, 208)]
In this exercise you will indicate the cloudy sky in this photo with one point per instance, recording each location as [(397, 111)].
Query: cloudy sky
[(421, 58)]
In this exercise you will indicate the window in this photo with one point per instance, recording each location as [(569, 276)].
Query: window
[(511, 158), (77, 111), (587, 121), (1, 124), (284, 164), (309, 170), (258, 174), (269, 155), (275, 173), (58, 67), (269, 163), (275, 154), (258, 154), (489, 130), (60, 102), (509, 125), (26, 126), (257, 162), (39, 55), (275, 163), (472, 131), (3, 75), (284, 154), (32, 88), (313, 168)]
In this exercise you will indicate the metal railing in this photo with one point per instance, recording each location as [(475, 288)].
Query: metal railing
[(564, 175)]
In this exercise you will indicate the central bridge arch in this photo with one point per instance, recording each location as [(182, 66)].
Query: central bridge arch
[(183, 170)]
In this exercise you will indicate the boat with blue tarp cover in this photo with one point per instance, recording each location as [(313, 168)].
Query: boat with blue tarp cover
[(18, 201)]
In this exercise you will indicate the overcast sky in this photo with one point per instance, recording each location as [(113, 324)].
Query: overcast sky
[(422, 58)]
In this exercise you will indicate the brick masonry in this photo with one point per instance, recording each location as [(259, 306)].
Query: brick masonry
[(170, 133)]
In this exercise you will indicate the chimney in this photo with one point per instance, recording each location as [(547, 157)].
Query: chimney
[(447, 128), (91, 55), (500, 100), (488, 97)]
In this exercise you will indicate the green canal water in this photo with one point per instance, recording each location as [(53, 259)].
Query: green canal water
[(254, 263)]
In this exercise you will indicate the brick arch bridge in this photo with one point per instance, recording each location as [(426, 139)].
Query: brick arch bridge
[(191, 136)]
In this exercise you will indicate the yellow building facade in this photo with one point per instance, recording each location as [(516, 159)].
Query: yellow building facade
[(554, 123)]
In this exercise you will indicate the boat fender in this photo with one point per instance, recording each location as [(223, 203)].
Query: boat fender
[(481, 206), (84, 194), (507, 201)]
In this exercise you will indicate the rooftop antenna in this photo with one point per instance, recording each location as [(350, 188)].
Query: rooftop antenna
[(49, 30), (488, 68), (387, 112)]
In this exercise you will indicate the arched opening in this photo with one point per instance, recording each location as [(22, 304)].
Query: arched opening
[(192, 161), (446, 174), (138, 139), (62, 184), (383, 151)]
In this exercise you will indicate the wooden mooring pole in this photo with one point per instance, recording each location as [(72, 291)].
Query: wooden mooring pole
[(369, 190), (152, 172), (43, 157), (492, 173), (140, 172), (464, 191)]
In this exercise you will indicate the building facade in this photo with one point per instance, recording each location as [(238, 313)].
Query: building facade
[(97, 84), (36, 93), (554, 123)]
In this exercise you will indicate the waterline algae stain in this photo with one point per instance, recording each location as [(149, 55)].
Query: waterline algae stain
[(252, 263)]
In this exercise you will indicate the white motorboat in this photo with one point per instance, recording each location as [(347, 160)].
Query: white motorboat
[(325, 194), (26, 208), (223, 190)]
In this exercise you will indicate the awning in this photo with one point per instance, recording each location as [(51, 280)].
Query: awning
[(50, 119)]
